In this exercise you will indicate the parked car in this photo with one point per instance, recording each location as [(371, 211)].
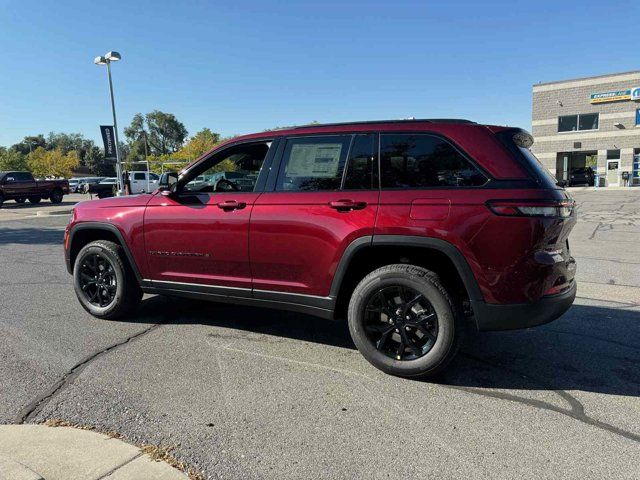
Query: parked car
[(85, 183), (143, 182), (21, 186), (581, 176), (73, 185), (104, 189), (411, 230)]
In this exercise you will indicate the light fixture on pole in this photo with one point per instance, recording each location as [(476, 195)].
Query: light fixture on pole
[(106, 60)]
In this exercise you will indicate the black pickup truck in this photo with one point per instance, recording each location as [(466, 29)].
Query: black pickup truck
[(21, 186)]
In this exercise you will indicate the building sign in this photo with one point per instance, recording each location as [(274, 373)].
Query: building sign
[(108, 138), (615, 96)]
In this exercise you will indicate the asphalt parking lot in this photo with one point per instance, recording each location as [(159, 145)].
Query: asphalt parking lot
[(246, 393)]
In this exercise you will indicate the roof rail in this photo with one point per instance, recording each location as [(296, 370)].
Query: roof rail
[(369, 122)]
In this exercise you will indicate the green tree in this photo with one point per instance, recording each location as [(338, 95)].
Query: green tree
[(53, 162), (154, 134), (12, 160), (198, 145), (29, 144), (98, 165), (67, 142)]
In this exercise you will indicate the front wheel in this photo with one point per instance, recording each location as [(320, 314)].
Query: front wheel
[(404, 322), (35, 199), (20, 200), (56, 196), (104, 282)]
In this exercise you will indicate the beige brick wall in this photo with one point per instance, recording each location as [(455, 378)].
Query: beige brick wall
[(568, 98)]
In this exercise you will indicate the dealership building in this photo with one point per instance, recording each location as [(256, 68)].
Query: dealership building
[(589, 124)]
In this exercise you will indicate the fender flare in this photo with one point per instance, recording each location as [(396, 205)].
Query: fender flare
[(105, 227), (456, 257)]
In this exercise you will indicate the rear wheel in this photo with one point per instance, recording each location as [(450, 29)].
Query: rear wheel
[(20, 200), (56, 196), (104, 282), (1, 199), (404, 322), (34, 199)]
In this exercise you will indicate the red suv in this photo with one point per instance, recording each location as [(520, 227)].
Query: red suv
[(409, 229)]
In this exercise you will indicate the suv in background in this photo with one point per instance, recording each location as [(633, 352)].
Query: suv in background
[(581, 176), (411, 230)]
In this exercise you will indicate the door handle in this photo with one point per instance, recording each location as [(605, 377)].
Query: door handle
[(229, 205), (346, 205)]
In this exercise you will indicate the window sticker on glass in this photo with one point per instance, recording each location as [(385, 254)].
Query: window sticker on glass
[(314, 160)]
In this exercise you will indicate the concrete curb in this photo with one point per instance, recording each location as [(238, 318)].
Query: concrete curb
[(67, 453), (46, 213)]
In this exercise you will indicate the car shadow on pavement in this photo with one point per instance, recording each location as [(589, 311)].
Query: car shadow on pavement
[(591, 348), (31, 236)]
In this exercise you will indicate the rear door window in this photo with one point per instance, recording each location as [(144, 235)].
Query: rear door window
[(313, 163), (424, 161)]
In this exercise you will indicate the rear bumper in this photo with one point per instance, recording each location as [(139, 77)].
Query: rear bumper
[(514, 316)]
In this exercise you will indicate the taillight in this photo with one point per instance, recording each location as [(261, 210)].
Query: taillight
[(532, 208)]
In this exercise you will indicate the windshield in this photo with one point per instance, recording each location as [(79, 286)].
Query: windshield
[(519, 142)]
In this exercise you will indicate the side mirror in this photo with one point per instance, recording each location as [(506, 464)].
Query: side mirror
[(167, 182)]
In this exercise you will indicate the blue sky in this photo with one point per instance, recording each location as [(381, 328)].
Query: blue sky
[(245, 66)]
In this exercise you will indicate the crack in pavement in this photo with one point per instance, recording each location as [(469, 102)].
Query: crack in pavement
[(36, 405), (576, 411), (118, 467)]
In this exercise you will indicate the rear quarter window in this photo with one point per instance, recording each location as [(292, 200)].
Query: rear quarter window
[(518, 143), (425, 161)]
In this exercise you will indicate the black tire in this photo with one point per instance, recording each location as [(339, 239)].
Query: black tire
[(126, 292), (56, 196), (35, 199), (1, 200), (20, 200), (449, 327)]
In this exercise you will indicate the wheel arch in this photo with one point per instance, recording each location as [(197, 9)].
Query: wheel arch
[(83, 233), (365, 254)]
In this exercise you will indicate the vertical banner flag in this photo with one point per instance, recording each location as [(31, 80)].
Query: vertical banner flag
[(108, 137)]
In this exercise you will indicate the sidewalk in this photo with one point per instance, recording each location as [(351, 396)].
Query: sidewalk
[(38, 452), (602, 189)]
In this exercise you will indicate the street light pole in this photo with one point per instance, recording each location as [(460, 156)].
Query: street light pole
[(106, 60), (115, 128)]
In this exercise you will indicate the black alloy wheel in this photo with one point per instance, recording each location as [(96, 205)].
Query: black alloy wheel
[(98, 280), (404, 321), (401, 322), (104, 281)]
